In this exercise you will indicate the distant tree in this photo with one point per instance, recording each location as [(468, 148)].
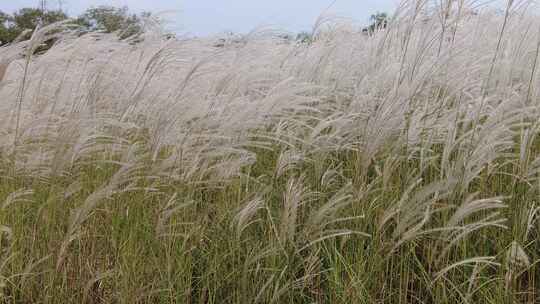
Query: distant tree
[(103, 18), (112, 19), (6, 32), (378, 21), (304, 37), (29, 18), (25, 19)]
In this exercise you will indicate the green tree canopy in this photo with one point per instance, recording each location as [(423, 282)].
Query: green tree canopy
[(29, 18), (6, 34), (112, 19), (304, 37), (103, 18), (11, 26), (378, 21)]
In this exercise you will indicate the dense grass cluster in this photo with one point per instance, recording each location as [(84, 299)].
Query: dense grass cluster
[(399, 166)]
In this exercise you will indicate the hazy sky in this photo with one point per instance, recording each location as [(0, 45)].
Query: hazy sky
[(201, 17)]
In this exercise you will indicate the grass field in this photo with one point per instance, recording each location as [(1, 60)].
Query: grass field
[(399, 166)]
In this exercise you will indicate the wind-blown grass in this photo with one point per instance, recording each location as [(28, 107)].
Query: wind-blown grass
[(400, 166)]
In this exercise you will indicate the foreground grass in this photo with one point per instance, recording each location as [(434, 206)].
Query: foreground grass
[(246, 240)]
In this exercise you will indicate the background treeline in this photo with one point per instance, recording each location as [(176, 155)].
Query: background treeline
[(20, 24), (109, 19)]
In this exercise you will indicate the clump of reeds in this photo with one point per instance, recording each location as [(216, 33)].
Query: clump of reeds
[(394, 166)]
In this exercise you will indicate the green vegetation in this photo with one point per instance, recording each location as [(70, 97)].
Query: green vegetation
[(13, 26), (102, 18), (378, 21), (401, 166), (111, 19)]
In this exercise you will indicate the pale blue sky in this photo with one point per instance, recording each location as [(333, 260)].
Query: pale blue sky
[(203, 17)]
